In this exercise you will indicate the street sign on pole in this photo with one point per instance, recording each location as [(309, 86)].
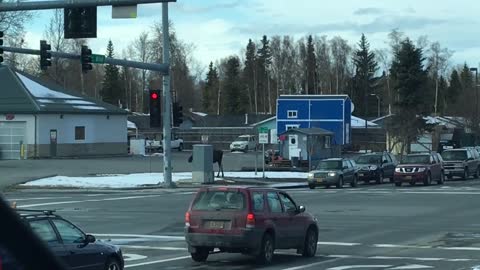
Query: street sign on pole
[(98, 59), (263, 135), (263, 138)]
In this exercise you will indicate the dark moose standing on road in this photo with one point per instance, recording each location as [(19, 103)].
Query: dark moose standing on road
[(217, 158)]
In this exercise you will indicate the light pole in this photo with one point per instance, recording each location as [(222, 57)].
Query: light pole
[(476, 101), (378, 104)]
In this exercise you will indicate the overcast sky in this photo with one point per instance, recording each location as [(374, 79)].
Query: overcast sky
[(219, 28)]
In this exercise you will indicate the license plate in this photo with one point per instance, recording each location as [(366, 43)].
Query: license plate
[(361, 174), (319, 180), (408, 177), (216, 224)]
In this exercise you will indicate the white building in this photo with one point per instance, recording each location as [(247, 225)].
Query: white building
[(39, 120)]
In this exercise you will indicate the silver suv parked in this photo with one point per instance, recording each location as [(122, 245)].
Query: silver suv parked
[(463, 162)]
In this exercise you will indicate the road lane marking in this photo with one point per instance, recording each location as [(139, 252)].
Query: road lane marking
[(128, 257), (35, 199), (405, 258), (311, 265), (148, 236), (461, 248), (158, 261), (358, 266), (338, 244), (154, 248), (412, 266), (399, 246), (91, 200)]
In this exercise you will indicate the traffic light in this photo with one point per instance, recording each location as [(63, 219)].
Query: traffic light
[(86, 59), (177, 114), (155, 108), (1, 44), (45, 55)]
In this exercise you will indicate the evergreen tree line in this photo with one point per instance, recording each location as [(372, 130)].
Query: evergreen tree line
[(252, 81)]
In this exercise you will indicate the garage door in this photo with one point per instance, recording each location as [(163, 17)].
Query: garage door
[(12, 134)]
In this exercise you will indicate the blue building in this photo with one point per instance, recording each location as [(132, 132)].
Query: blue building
[(329, 112)]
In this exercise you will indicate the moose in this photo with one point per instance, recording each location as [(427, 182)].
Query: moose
[(217, 158)]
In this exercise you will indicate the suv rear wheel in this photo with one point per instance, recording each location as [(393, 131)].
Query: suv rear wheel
[(266, 250), (340, 182), (441, 181), (380, 178), (428, 180), (354, 182), (465, 174), (200, 254)]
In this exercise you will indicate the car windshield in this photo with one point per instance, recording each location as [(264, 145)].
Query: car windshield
[(241, 139), (416, 159), (218, 200), (454, 155), (329, 165), (369, 159)]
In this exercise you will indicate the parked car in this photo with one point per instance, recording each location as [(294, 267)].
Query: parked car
[(157, 146), (461, 162), (248, 220), (333, 171), (420, 167), (244, 143), (376, 167), (71, 245)]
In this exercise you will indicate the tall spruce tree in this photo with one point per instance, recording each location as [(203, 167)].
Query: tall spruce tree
[(453, 93), (410, 79), (235, 99), (210, 91), (364, 81), (250, 75), (311, 67), (111, 90), (264, 57)]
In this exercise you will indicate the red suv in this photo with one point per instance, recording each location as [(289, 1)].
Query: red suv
[(422, 167), (248, 220)]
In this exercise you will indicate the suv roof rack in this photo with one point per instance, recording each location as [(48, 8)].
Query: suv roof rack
[(33, 211)]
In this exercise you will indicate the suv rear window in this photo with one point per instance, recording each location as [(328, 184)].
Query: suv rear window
[(218, 200), (454, 155)]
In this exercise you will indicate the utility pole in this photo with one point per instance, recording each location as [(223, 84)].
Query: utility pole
[(167, 99)]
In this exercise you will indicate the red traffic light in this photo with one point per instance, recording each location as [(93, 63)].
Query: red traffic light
[(154, 95)]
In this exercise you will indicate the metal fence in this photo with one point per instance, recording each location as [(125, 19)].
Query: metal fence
[(220, 138)]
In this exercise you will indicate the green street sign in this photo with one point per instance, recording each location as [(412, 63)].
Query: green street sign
[(263, 130), (98, 59)]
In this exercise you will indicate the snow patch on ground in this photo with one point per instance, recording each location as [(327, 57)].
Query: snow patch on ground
[(141, 179)]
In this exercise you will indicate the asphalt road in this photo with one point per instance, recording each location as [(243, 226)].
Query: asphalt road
[(19, 171), (370, 227)]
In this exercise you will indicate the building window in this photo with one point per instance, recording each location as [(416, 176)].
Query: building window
[(79, 133), (288, 127), (328, 142), (292, 114)]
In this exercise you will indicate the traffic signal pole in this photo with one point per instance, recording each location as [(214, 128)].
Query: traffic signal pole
[(162, 68), (167, 102)]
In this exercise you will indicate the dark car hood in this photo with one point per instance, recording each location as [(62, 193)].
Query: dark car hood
[(361, 165), (413, 165)]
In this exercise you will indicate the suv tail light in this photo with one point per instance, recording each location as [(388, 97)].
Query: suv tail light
[(250, 221), (187, 219)]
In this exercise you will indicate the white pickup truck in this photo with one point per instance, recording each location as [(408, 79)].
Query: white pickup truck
[(154, 145)]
